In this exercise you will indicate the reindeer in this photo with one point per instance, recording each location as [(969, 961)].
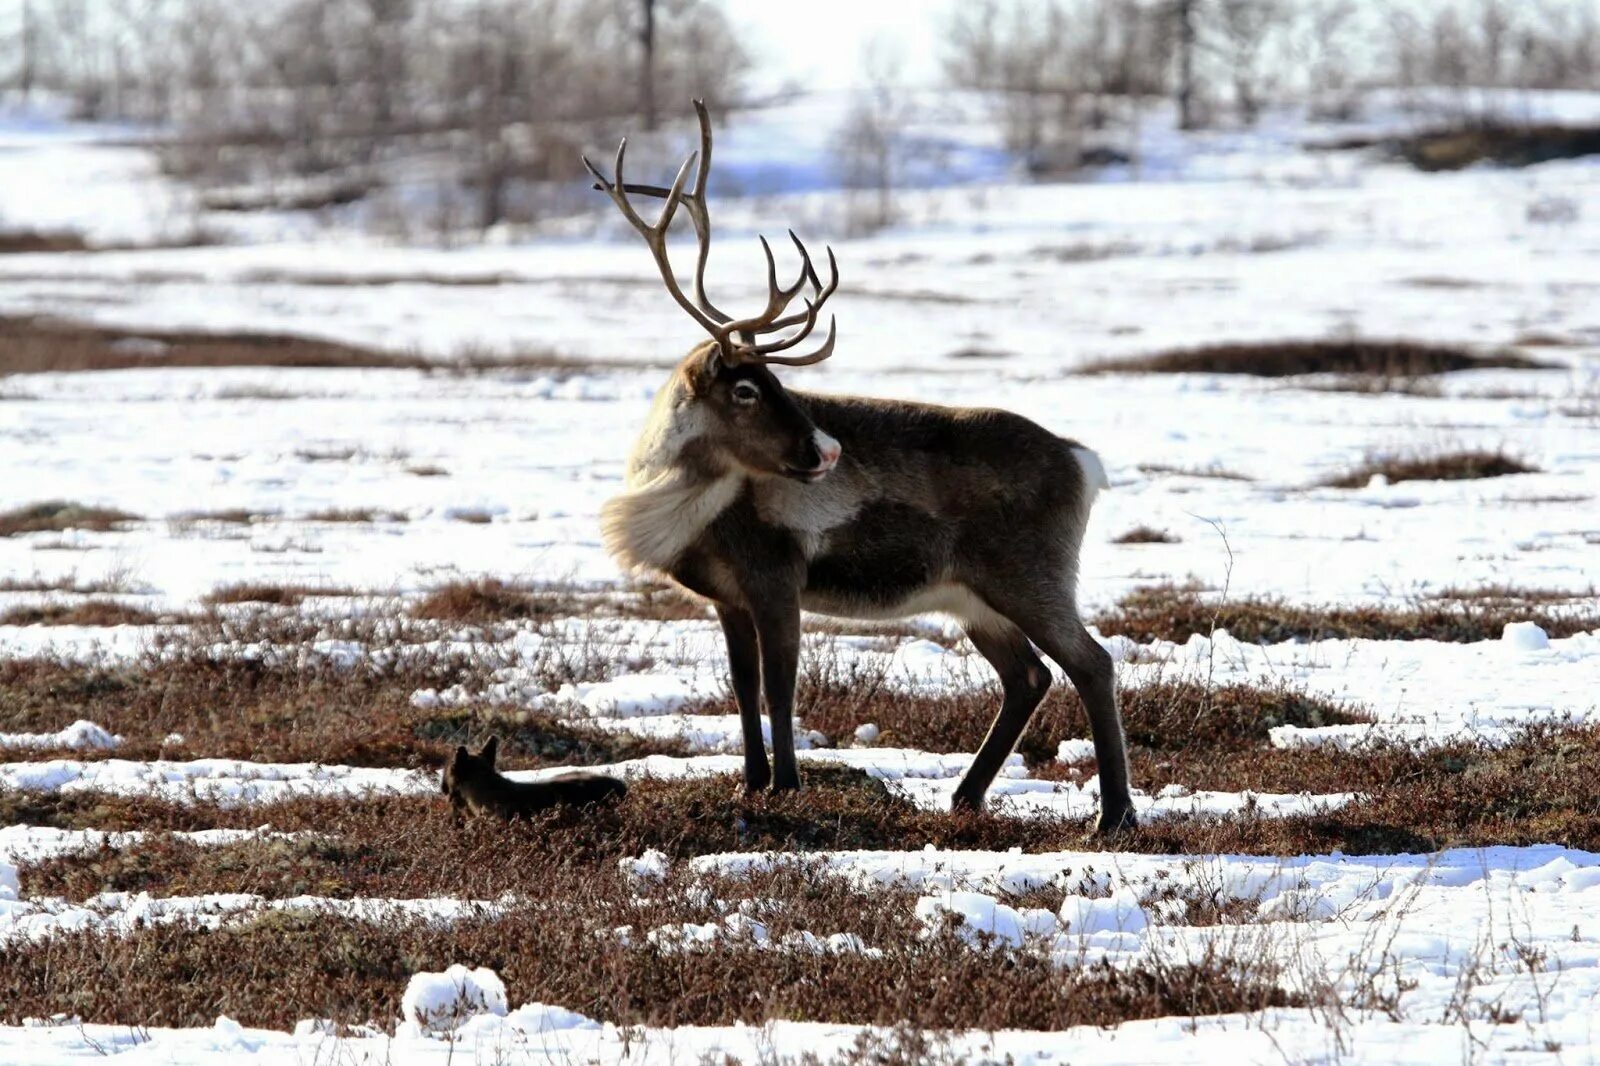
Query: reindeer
[(768, 501)]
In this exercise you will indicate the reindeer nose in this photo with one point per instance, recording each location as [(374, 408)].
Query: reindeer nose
[(828, 449)]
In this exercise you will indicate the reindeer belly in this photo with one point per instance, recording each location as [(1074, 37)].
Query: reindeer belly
[(890, 560)]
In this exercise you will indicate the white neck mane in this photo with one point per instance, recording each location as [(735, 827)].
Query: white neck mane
[(664, 506)]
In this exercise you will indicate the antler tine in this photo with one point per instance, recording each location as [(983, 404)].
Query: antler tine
[(700, 214), (808, 322), (655, 237), (778, 298), (800, 360), (735, 337), (807, 319), (816, 286), (694, 201)]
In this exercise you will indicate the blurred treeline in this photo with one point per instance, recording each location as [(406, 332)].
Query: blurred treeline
[(466, 114)]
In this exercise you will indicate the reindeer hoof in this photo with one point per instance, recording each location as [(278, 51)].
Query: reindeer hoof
[(1114, 821), (961, 803)]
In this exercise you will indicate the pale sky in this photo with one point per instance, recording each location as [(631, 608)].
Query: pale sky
[(822, 42)]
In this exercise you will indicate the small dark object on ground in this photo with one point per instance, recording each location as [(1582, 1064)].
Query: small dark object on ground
[(1145, 535), (475, 787)]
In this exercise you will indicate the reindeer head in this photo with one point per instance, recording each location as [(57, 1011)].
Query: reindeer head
[(724, 395)]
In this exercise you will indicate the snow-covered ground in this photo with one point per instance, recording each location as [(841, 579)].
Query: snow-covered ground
[(1242, 238)]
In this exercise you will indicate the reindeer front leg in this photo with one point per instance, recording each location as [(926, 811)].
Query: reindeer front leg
[(744, 667), (777, 621)]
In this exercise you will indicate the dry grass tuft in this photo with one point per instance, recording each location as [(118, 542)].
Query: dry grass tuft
[(1146, 535), (1212, 471), (69, 582), (489, 601), (355, 514), (486, 601), (55, 516), (22, 242), (1174, 613), (1384, 359), (276, 595), (85, 613), (231, 516), (1443, 466)]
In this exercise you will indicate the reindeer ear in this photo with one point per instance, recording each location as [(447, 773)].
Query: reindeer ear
[(709, 364), (490, 750), (461, 755)]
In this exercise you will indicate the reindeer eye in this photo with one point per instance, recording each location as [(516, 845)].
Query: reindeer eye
[(746, 392)]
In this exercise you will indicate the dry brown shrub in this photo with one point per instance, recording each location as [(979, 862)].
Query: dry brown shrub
[(277, 595), (233, 516), (262, 685), (1174, 613), (21, 242), (355, 514), (1441, 466), (273, 968), (1212, 471), (1146, 535), (56, 516), (69, 582), (486, 601), (82, 613)]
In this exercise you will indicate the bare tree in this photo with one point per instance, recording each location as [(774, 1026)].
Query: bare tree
[(1118, 55), (1326, 56), (865, 146), (647, 65), (1243, 30), (1185, 14), (1021, 54), (490, 98), (27, 51)]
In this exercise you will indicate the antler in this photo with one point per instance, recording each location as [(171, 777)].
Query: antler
[(735, 337)]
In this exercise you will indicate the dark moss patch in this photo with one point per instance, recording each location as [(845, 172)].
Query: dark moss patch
[(1293, 358)]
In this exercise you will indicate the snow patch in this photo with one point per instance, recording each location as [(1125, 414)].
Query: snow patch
[(442, 1002), (80, 735), (981, 916), (1525, 636)]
